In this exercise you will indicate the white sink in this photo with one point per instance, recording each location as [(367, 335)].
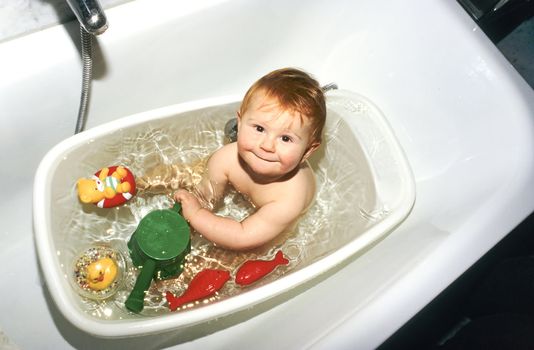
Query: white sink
[(463, 116)]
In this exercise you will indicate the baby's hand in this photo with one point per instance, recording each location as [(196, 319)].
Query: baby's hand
[(190, 203)]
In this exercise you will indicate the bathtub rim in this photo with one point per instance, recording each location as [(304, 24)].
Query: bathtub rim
[(58, 286)]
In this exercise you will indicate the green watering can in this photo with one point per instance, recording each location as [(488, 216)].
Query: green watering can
[(159, 245)]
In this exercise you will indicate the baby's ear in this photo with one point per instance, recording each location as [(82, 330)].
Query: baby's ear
[(312, 148)]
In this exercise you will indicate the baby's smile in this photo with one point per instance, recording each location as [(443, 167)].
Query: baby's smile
[(265, 158)]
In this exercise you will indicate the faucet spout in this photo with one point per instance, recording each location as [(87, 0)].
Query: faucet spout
[(90, 15)]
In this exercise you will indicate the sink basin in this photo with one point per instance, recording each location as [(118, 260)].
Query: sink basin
[(462, 115)]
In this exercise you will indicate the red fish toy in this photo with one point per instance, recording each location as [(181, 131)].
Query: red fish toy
[(253, 270), (203, 285)]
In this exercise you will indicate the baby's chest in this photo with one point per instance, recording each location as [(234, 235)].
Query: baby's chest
[(257, 194)]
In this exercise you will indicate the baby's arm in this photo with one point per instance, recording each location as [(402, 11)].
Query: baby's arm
[(211, 187), (259, 228)]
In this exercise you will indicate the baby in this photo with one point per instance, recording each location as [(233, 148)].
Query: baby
[(280, 122)]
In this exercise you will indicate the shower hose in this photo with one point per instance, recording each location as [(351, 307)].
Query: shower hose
[(87, 72)]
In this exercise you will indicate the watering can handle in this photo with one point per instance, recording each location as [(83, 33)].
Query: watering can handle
[(135, 301)]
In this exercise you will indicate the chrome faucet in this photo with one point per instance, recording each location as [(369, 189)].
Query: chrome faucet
[(90, 15)]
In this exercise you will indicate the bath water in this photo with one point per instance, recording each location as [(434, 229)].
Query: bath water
[(182, 144)]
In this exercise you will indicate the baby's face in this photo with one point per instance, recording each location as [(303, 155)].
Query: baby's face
[(271, 141)]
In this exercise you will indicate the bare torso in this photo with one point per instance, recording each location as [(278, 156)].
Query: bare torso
[(297, 190)]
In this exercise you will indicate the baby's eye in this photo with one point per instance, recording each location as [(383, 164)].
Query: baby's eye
[(286, 138), (259, 128)]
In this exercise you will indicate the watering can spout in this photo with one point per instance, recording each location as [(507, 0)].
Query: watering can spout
[(136, 298)]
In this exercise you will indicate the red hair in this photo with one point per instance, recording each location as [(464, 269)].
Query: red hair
[(296, 91)]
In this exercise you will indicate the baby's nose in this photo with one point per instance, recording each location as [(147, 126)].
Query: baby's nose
[(267, 144)]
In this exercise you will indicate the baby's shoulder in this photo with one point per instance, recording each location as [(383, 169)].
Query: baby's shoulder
[(224, 156), (305, 176), (300, 187)]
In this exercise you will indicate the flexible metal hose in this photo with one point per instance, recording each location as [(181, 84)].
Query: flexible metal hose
[(87, 72)]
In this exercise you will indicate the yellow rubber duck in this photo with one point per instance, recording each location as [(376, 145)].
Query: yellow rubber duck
[(101, 273)]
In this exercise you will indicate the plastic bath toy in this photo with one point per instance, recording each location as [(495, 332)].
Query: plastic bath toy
[(159, 246), (98, 272), (253, 270), (101, 273), (203, 285), (108, 187)]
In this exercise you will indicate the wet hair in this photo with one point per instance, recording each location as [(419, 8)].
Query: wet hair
[(297, 92)]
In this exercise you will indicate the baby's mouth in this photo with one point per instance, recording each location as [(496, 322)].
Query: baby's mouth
[(265, 159)]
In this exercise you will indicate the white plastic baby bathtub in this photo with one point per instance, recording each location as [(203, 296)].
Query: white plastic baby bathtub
[(365, 188)]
